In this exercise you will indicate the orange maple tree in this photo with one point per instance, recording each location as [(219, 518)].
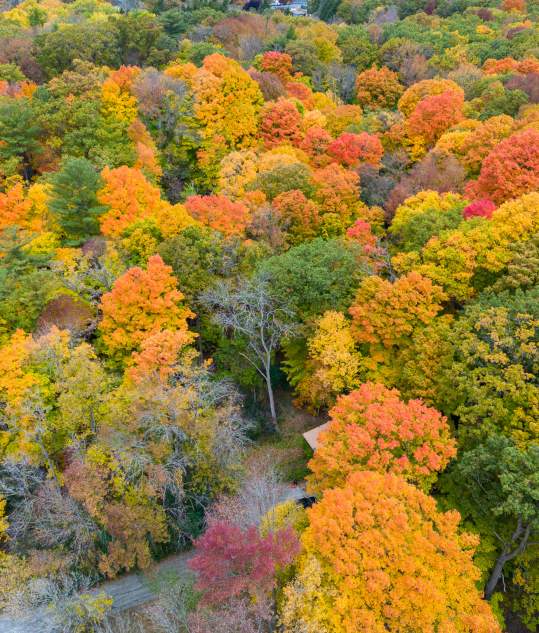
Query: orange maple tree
[(478, 144), (379, 556), (378, 88), (131, 197), (315, 143), (299, 215), (140, 304), (350, 150), (277, 63), (25, 209), (337, 192), (219, 212), (280, 122), (426, 88), (158, 354), (435, 114), (301, 92), (14, 207), (371, 428)]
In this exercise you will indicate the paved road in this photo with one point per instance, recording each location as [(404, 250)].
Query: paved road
[(133, 589), (127, 592)]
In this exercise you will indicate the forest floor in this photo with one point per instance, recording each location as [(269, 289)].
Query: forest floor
[(289, 451)]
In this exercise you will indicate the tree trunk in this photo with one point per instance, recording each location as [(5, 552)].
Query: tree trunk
[(506, 556), (271, 401), (495, 576)]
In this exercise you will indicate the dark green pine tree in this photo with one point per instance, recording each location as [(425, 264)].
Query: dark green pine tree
[(74, 199)]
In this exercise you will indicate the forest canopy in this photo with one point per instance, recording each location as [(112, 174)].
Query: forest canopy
[(224, 224)]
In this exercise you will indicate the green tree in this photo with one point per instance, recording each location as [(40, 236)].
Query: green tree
[(522, 270), (316, 276), (11, 72), (357, 47), (96, 41), (18, 133), (494, 368), (141, 39), (36, 16), (74, 199), (26, 281), (498, 484), (197, 259), (284, 178)]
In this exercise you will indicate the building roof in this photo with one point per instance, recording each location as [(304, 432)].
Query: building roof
[(311, 437)]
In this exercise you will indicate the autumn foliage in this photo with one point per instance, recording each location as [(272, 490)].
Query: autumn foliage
[(337, 191), (278, 63), (230, 123), (482, 208), (158, 354), (233, 562), (511, 169), (140, 304), (426, 88), (434, 114), (333, 364), (349, 202), (280, 122), (25, 209), (315, 143), (378, 88), (130, 197), (377, 551), (298, 215), (350, 150), (373, 429), (219, 213), (386, 315)]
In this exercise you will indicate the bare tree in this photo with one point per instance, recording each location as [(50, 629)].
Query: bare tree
[(19, 479), (177, 610), (170, 613), (250, 311), (123, 623), (260, 491), (62, 604), (238, 616), (49, 518)]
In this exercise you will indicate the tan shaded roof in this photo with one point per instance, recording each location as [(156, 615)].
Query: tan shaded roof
[(311, 437)]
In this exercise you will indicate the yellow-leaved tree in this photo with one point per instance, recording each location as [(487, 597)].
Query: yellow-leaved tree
[(378, 556), (333, 363), (227, 104)]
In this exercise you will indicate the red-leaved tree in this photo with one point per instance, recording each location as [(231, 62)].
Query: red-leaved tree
[(482, 208), (280, 122), (315, 144), (352, 149), (510, 170), (232, 562)]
